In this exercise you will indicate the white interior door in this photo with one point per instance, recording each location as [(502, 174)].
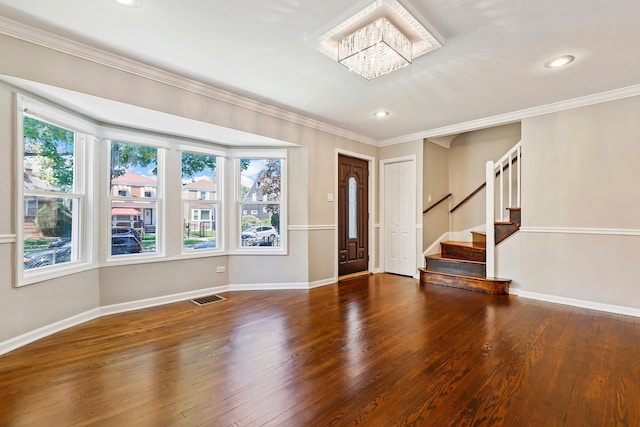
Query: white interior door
[(400, 218)]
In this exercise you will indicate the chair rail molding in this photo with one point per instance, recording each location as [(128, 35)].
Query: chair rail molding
[(574, 230), (7, 238)]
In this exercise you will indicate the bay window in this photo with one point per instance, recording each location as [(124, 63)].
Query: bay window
[(200, 201), (51, 155), (133, 198), (260, 202)]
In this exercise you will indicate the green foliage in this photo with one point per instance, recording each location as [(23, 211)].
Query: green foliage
[(54, 219), (193, 163), (51, 148), (248, 221), (124, 156), (275, 220), (244, 191)]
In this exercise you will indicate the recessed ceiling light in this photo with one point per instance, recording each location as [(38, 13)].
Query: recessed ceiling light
[(560, 61), (381, 114), (129, 3)]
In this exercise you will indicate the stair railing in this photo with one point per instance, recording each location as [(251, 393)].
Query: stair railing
[(495, 172)]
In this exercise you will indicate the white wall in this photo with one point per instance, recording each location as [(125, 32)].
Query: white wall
[(581, 204)]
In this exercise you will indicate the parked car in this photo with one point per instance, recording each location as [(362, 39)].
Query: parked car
[(205, 245), (125, 244), (125, 230), (59, 242), (259, 235), (55, 255)]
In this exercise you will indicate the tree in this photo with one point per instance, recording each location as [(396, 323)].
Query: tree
[(270, 184), (193, 163), (124, 156), (51, 149)]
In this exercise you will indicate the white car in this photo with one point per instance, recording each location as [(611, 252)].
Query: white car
[(259, 235)]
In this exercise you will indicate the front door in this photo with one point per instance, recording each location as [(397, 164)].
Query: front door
[(353, 215)]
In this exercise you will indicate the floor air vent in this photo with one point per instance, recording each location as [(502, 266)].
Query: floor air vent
[(207, 300)]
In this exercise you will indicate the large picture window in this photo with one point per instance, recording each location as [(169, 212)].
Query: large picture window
[(134, 206), (260, 202), (52, 195), (200, 201)]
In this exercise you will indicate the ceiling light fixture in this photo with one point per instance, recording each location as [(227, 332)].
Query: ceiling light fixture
[(379, 39), (129, 3), (381, 114), (375, 49), (560, 61)]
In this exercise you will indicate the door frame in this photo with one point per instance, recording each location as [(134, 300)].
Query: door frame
[(371, 161), (417, 227)]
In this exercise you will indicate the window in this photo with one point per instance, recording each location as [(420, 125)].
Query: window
[(260, 193), (134, 167), (199, 201), (52, 194)]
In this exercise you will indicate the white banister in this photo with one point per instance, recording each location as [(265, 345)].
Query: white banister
[(490, 238), (493, 170)]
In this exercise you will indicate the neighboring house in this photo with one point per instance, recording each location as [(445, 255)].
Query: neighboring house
[(131, 212), (199, 216), (261, 212)]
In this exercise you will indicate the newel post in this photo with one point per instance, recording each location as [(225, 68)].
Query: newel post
[(490, 203)]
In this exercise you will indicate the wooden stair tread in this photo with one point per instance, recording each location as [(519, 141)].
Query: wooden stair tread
[(464, 244), (491, 285), (488, 279), (446, 258)]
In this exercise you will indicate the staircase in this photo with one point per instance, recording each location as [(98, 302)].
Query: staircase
[(463, 264)]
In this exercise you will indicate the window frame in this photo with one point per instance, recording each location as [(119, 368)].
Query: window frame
[(82, 194), (218, 203), (161, 146), (236, 229)]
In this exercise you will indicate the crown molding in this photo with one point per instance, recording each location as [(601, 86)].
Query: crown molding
[(516, 116), (49, 40), (62, 44)]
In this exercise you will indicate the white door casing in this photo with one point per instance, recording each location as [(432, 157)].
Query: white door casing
[(399, 216)]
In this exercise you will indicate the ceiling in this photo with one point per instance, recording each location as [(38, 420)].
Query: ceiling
[(491, 64)]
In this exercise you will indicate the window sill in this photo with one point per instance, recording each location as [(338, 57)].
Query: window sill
[(55, 273)]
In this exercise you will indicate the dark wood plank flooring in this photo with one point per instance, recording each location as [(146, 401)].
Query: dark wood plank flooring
[(375, 351)]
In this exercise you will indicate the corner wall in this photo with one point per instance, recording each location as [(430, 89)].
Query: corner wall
[(581, 204)]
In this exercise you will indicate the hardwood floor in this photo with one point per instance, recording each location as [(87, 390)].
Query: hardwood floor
[(380, 350)]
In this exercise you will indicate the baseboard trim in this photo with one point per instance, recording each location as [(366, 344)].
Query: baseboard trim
[(270, 286), (325, 282), (156, 301), (610, 308), (45, 331)]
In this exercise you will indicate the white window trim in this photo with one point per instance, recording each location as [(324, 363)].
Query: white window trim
[(159, 199), (218, 202), (236, 243), (93, 244), (84, 190)]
